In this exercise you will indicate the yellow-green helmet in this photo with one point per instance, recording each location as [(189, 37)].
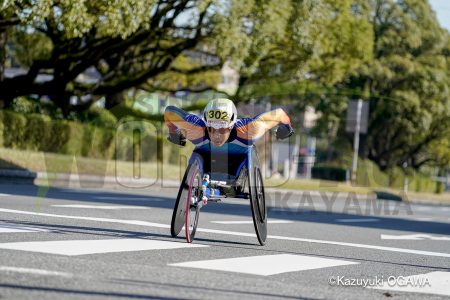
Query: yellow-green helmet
[(220, 113)]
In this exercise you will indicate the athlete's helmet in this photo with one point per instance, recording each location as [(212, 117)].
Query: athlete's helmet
[(220, 113)]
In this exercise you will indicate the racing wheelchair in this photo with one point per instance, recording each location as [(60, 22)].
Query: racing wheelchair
[(210, 177)]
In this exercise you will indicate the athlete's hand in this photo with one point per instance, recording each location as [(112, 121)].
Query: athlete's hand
[(284, 131), (177, 138)]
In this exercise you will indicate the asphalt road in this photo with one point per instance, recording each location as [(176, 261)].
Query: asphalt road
[(64, 243)]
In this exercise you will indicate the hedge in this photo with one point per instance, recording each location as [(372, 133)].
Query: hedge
[(329, 173), (371, 176), (39, 133)]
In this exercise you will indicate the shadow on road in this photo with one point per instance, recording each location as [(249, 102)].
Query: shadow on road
[(155, 200), (80, 292), (117, 233)]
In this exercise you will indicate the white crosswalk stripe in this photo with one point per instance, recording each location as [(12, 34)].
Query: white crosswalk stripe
[(251, 222), (127, 198), (265, 265), (83, 247), (112, 207), (39, 272), (17, 228)]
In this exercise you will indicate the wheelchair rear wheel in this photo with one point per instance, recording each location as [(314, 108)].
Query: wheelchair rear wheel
[(257, 198), (186, 210)]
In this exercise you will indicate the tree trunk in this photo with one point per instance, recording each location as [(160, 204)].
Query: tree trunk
[(3, 102), (114, 100)]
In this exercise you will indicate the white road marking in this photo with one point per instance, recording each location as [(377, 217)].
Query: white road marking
[(430, 283), (265, 265), (251, 222), (357, 220), (107, 220), (125, 198), (34, 271), (82, 247), (415, 237), (422, 208), (15, 228), (100, 206), (83, 191), (422, 219), (276, 237)]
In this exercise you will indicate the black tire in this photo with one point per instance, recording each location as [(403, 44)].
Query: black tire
[(257, 198), (193, 210), (179, 210)]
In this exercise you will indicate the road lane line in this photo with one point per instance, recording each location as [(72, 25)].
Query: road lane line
[(357, 220), (126, 198), (265, 265), (415, 237), (107, 220), (99, 206), (251, 222), (34, 271), (16, 228), (83, 247), (421, 219), (235, 233)]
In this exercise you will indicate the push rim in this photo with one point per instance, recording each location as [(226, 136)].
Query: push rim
[(192, 209)]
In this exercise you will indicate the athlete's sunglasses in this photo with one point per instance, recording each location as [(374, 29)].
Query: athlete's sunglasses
[(220, 130)]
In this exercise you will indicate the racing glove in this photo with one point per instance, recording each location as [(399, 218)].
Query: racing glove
[(284, 131), (177, 138)]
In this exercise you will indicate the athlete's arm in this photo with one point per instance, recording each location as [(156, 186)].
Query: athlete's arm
[(255, 128), (190, 126)]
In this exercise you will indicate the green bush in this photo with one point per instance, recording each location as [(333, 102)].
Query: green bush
[(14, 127), (100, 118), (151, 144), (370, 175), (97, 143), (329, 173), (40, 133), (123, 146), (70, 135), (37, 132), (24, 106), (440, 188)]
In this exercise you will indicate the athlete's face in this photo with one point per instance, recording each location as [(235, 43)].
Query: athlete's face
[(218, 136)]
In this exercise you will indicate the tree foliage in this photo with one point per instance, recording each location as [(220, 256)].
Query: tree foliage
[(324, 53), (407, 82)]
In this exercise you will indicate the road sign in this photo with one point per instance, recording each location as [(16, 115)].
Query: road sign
[(352, 114)]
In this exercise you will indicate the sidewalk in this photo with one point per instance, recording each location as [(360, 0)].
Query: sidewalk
[(113, 182)]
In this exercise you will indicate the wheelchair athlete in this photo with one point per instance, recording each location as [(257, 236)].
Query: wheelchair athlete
[(220, 130)]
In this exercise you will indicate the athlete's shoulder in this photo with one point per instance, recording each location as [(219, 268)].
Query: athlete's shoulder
[(195, 120), (243, 122), (177, 112)]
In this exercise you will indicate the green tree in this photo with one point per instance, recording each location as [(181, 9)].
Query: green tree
[(130, 43), (323, 41), (408, 83)]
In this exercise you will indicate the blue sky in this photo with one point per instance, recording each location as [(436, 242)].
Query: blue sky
[(442, 9)]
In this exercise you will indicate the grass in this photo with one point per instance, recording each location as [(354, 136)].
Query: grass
[(315, 185), (57, 163)]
